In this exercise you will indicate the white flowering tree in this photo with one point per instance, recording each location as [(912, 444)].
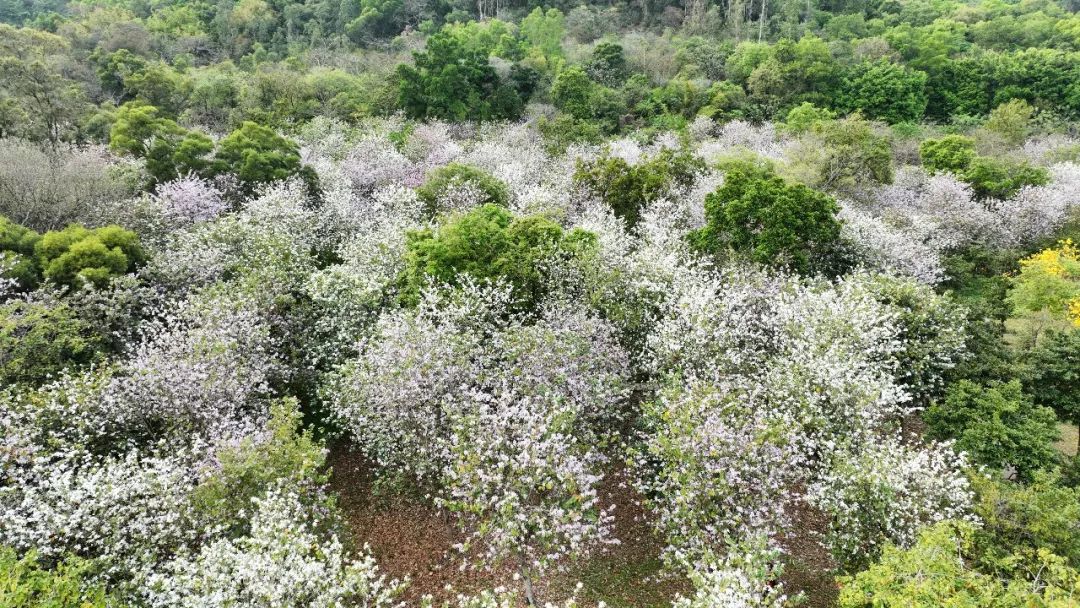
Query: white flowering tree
[(283, 563), (500, 418), (524, 480), (886, 492), (745, 576), (718, 465)]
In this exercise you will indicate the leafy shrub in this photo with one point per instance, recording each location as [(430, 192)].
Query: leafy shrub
[(492, 191), (997, 425), (628, 188), (952, 153), (993, 178), (1041, 515), (77, 255), (843, 154), (771, 221), (805, 117), (1052, 374), (38, 341), (563, 130), (25, 584), (284, 456), (488, 243), (936, 572)]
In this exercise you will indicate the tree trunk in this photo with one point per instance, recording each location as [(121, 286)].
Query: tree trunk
[(761, 19), (526, 577)]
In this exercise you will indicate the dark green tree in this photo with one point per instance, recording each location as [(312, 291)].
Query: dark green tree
[(997, 425), (1052, 374), (885, 90), (257, 155), (607, 64), (377, 19), (452, 82), (758, 214)]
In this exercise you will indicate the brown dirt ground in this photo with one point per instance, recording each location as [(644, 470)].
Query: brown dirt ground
[(808, 566), (411, 539)]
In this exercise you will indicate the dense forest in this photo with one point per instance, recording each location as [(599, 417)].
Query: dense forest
[(378, 303)]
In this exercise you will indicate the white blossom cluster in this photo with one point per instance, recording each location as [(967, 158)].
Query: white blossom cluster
[(524, 479), (189, 199), (724, 468), (739, 137), (127, 512), (908, 226), (772, 378)]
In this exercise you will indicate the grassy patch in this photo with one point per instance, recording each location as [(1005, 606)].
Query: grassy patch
[(1070, 439), (622, 584)]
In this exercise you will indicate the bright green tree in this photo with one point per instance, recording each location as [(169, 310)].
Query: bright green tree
[(77, 255), (1043, 514), (489, 242), (952, 154), (1046, 291), (1011, 121), (170, 150), (545, 31), (1001, 179), (806, 117)]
